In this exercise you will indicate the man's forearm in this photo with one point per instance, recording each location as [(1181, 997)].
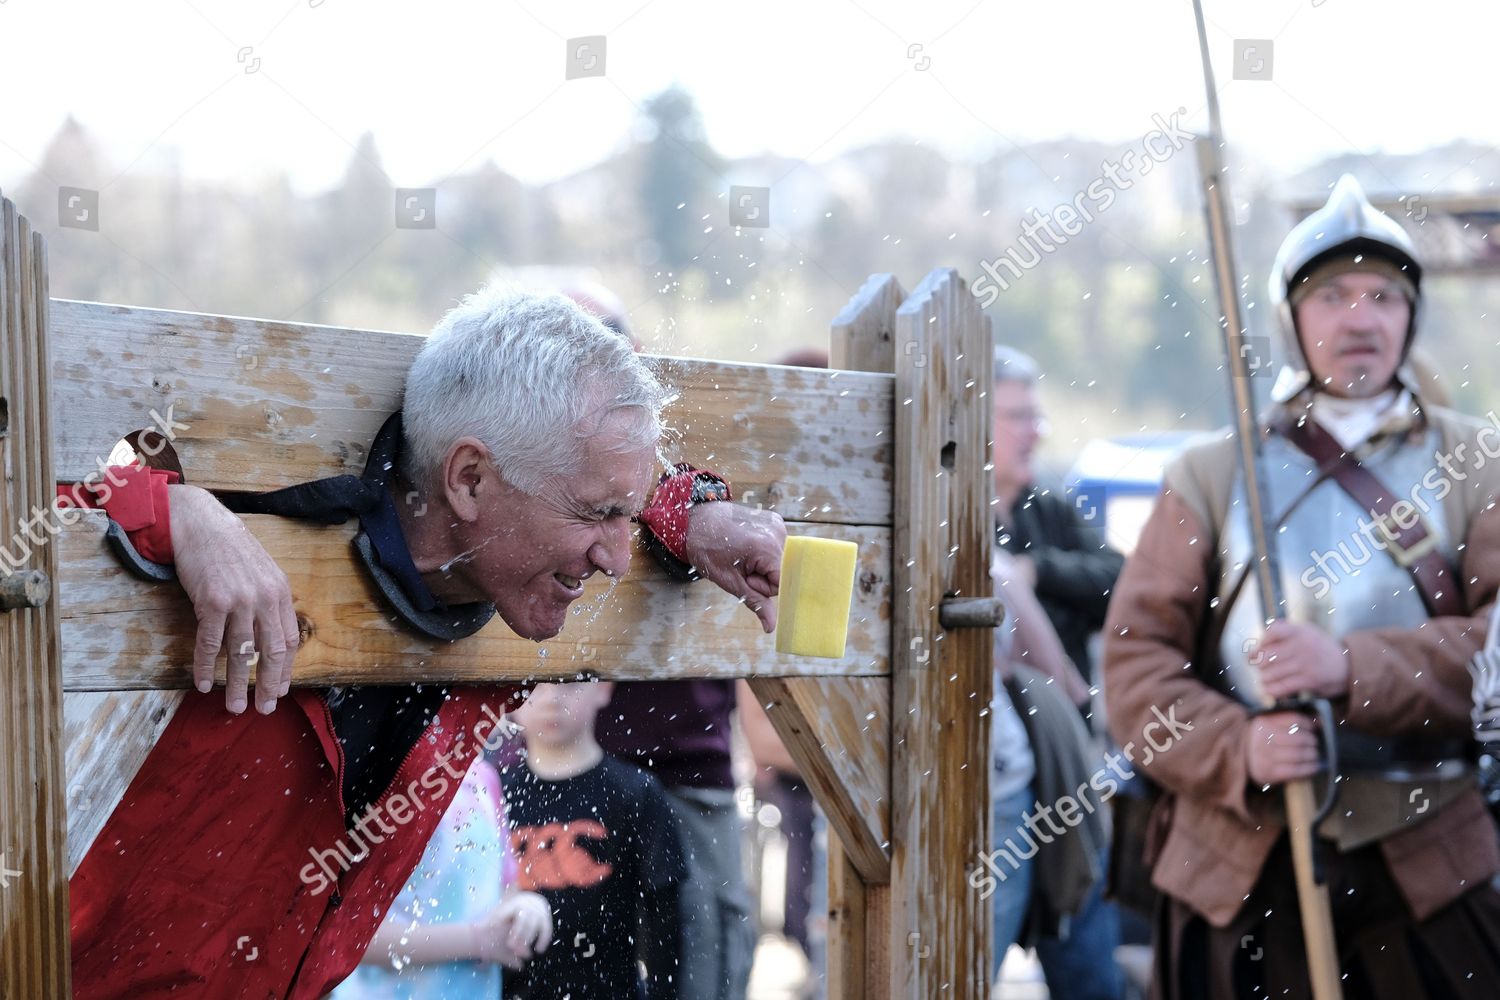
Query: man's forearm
[(1036, 643)]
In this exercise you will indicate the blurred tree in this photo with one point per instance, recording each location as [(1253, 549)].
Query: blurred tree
[(353, 219), (680, 179)]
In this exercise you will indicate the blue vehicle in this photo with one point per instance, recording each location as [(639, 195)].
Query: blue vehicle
[(1114, 481)]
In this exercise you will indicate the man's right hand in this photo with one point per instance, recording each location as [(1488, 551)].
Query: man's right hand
[(241, 597), (1281, 747)]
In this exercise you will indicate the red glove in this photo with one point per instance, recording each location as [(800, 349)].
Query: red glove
[(135, 498), (667, 514)]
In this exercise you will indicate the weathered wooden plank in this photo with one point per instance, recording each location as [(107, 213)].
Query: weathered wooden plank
[(108, 735), (121, 634), (838, 732), (848, 927), (305, 401), (863, 338), (859, 929), (859, 925), (940, 928), (33, 872)]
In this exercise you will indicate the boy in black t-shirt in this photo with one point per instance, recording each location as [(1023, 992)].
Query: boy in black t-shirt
[(597, 839)]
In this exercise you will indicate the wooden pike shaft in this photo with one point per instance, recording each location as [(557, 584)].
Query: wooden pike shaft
[(1312, 898)]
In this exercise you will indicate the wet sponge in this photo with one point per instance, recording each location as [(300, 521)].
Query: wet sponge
[(817, 586)]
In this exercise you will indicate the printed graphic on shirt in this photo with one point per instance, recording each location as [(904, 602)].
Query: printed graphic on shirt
[(561, 855)]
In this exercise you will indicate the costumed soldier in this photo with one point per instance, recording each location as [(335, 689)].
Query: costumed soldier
[(1388, 535)]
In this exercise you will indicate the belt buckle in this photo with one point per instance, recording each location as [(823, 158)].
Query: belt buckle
[(1406, 556)]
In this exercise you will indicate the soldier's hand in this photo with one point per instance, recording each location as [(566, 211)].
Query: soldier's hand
[(739, 548), (1281, 747), (1294, 659), (241, 598)]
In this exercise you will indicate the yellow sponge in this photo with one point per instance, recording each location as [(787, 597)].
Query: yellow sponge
[(817, 587)]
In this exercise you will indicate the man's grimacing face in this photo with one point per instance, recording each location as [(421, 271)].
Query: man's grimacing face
[(1352, 328), (529, 555)]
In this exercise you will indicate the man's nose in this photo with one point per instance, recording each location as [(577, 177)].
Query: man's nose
[(611, 553), (1360, 315)]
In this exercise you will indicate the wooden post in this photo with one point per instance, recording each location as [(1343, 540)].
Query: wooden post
[(859, 912), (941, 680), (894, 735), (33, 872)]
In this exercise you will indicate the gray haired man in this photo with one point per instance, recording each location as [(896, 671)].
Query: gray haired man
[(529, 433)]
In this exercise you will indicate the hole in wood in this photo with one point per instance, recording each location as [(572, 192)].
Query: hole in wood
[(4, 416), (950, 455), (148, 447)]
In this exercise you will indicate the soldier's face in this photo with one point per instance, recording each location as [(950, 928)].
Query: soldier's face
[(1353, 328)]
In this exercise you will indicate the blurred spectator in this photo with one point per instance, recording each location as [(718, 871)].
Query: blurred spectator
[(1057, 552), (460, 916), (596, 838), (804, 357), (1055, 575), (779, 782)]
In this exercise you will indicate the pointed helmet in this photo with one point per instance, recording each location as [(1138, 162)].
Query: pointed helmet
[(1347, 225)]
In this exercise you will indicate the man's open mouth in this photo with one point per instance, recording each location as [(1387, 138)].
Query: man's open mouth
[(571, 583)]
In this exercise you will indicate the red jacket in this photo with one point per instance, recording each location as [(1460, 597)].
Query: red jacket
[(211, 878), (226, 870)]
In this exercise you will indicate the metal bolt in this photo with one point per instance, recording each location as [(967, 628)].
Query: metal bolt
[(24, 590)]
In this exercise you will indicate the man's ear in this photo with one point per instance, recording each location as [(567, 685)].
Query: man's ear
[(467, 472)]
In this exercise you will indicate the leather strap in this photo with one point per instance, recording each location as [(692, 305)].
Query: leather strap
[(1413, 547)]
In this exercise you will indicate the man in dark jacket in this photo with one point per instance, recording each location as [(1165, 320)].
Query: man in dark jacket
[(1069, 566), (1044, 549)]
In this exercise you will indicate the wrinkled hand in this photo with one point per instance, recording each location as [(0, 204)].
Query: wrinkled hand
[(1281, 747), (241, 597), (739, 548), (515, 931), (1294, 659)]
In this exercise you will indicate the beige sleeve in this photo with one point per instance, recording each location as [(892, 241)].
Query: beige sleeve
[(1150, 634)]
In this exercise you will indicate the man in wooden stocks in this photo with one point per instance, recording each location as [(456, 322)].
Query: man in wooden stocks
[(256, 853), (1389, 541)]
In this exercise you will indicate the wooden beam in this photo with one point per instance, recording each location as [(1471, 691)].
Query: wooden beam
[(942, 681), (859, 926), (120, 633), (839, 731), (863, 338), (107, 735), (836, 731), (305, 401), (33, 860)]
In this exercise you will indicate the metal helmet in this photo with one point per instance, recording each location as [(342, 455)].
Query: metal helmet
[(1346, 224)]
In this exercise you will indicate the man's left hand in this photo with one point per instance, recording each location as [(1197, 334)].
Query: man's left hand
[(1294, 659), (739, 548)]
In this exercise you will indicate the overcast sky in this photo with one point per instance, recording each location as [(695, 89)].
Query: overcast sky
[(445, 85)]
